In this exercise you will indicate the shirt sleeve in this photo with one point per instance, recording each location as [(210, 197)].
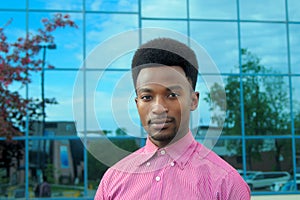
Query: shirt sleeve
[(234, 187)]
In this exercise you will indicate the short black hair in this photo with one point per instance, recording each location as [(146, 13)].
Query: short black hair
[(165, 51)]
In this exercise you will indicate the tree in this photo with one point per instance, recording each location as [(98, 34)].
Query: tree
[(265, 103), (18, 60), (121, 131)]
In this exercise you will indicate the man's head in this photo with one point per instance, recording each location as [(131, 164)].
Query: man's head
[(165, 80), (169, 52)]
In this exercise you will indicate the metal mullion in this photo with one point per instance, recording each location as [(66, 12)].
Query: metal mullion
[(85, 154), (241, 91), (290, 92), (27, 121)]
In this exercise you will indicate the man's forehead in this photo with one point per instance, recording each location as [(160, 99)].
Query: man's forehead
[(161, 75)]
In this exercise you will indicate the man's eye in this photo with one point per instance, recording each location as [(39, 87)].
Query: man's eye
[(173, 95), (146, 97)]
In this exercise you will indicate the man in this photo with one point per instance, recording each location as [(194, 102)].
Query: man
[(172, 165), (43, 189)]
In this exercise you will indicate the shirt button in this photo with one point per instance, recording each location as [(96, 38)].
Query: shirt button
[(172, 164), (157, 178), (162, 152), (148, 163)]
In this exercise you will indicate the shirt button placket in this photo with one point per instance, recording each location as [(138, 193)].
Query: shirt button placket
[(157, 187)]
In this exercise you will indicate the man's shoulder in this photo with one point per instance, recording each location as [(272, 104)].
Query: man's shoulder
[(207, 158)]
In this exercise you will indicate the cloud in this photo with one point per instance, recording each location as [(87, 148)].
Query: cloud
[(163, 8), (268, 42), (66, 5), (95, 5), (269, 10)]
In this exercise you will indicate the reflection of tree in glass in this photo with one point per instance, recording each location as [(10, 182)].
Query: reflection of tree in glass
[(266, 106), (17, 60), (297, 121)]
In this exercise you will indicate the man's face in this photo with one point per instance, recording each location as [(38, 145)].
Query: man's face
[(164, 101)]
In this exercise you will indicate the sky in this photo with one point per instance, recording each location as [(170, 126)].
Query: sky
[(266, 38)]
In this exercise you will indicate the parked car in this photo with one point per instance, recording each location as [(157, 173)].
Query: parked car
[(286, 186), (249, 174), (267, 179), (291, 186)]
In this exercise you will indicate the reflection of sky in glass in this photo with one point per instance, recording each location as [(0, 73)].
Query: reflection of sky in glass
[(112, 5), (293, 9), (16, 28), (164, 8), (56, 4), (213, 9), (68, 52), (262, 10), (100, 27), (268, 42), (220, 39), (179, 26), (114, 95), (59, 85), (295, 47), (15, 4)]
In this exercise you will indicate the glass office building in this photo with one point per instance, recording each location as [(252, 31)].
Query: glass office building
[(254, 45)]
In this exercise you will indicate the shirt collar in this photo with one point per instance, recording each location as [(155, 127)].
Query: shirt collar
[(180, 151)]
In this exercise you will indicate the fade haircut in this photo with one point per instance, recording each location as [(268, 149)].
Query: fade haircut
[(165, 51)]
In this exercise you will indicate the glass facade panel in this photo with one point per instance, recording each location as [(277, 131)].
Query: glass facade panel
[(68, 52), (268, 42), (14, 24), (293, 6), (295, 47), (60, 95), (100, 27), (296, 104), (271, 160), (202, 116), (60, 162), (12, 170), (214, 9), (267, 10), (112, 5), (113, 106), (164, 9), (266, 105), (179, 26), (56, 4), (220, 40), (14, 4)]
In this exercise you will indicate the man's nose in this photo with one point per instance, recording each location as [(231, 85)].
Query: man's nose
[(159, 106)]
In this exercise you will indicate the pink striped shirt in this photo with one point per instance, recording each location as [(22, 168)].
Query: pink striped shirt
[(182, 170)]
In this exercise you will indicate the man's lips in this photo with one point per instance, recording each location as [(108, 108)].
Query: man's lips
[(160, 123)]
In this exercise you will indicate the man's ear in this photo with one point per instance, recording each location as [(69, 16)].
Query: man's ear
[(195, 100)]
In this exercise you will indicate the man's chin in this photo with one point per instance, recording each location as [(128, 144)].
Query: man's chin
[(163, 135)]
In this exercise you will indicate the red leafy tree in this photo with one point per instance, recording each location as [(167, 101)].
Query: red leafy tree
[(17, 61)]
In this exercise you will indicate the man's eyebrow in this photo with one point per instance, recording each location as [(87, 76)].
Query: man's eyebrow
[(143, 89), (174, 87), (169, 88)]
